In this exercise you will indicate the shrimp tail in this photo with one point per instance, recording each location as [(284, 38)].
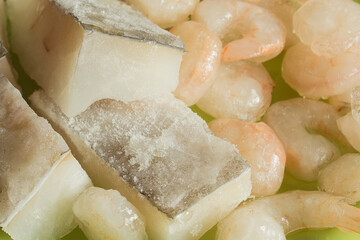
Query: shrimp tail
[(350, 220)]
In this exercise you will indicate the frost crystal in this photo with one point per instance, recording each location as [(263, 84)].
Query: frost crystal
[(158, 146)]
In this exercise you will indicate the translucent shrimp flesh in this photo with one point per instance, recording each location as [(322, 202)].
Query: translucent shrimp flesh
[(271, 218), (259, 145), (247, 31), (342, 177), (166, 13), (349, 124), (316, 76), (241, 90), (341, 102), (328, 27), (199, 65), (284, 10), (107, 215), (308, 130)]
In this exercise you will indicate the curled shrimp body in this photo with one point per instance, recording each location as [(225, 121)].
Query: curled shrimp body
[(284, 10), (165, 13), (241, 90), (305, 126), (351, 129), (247, 31), (317, 76), (270, 218), (200, 63), (258, 144), (329, 27), (342, 177), (349, 124)]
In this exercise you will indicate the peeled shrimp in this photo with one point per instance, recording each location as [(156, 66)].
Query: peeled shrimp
[(329, 27), (241, 90), (199, 65), (305, 126), (270, 218), (349, 124), (342, 177), (284, 10), (166, 13), (247, 31), (259, 145), (351, 130), (320, 77), (341, 102)]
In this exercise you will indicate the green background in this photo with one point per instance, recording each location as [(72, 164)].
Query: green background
[(281, 92)]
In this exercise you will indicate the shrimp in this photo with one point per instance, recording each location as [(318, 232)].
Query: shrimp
[(247, 31), (105, 214), (350, 128), (328, 27), (241, 90), (259, 145), (284, 10), (305, 126), (349, 124), (316, 76), (270, 218), (342, 177), (341, 102), (166, 13), (199, 65)]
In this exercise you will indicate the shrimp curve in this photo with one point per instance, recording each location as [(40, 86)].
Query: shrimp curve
[(270, 218), (165, 13), (258, 144), (247, 31), (329, 28), (342, 177), (241, 90), (305, 126), (199, 64), (316, 76)]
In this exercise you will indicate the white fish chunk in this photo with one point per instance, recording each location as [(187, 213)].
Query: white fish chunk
[(39, 177), (160, 156), (81, 51)]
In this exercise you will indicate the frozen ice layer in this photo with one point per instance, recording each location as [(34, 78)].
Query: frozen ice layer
[(161, 156), (39, 178), (81, 51), (105, 214)]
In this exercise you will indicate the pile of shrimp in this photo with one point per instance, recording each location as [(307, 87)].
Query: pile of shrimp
[(314, 138)]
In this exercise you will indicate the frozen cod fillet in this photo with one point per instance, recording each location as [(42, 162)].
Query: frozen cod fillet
[(81, 51), (105, 214), (39, 178), (160, 156)]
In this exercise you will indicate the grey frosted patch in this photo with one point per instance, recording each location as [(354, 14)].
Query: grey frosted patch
[(117, 18), (158, 146)]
